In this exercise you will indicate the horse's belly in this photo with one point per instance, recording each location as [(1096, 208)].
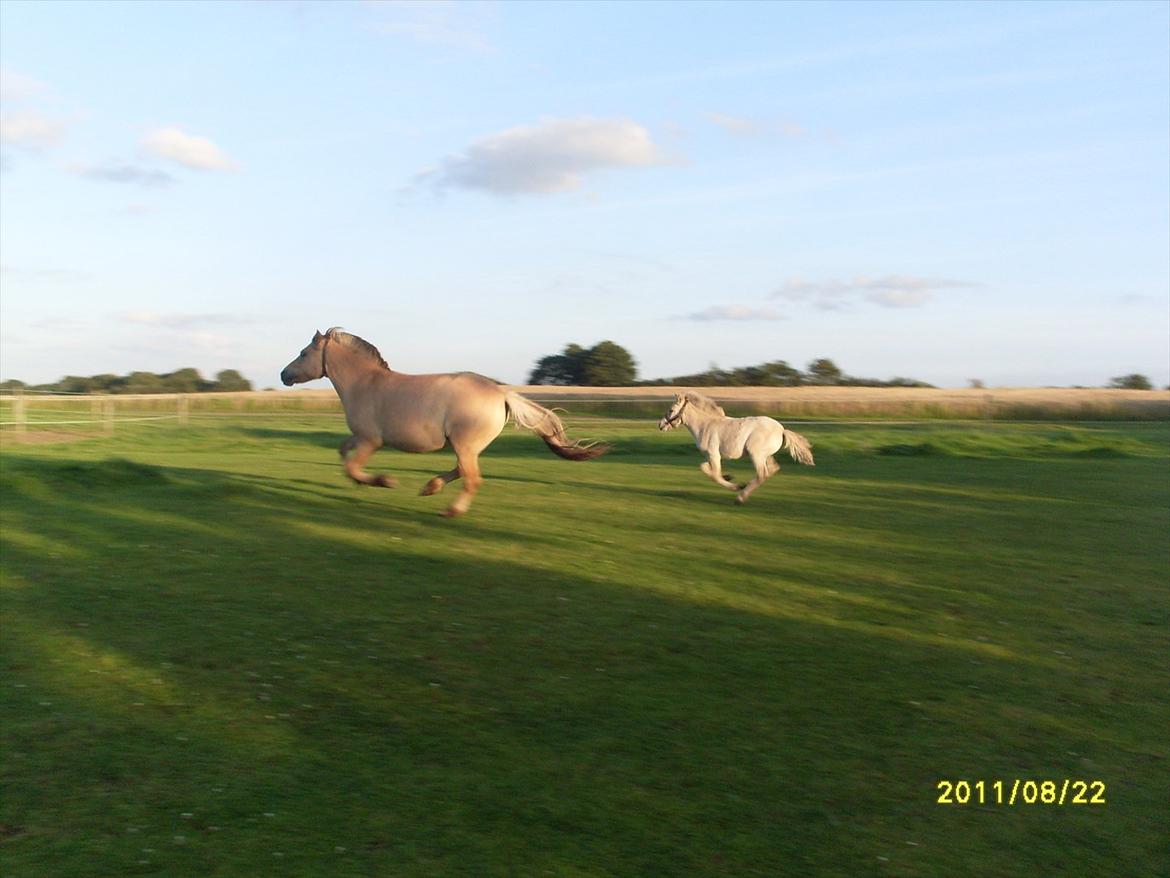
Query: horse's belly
[(414, 441)]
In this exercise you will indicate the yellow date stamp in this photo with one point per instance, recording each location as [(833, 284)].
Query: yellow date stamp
[(1021, 792)]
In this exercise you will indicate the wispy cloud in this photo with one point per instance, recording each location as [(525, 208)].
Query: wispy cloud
[(548, 157), (742, 126), (437, 23), (189, 150), (124, 172), (18, 87), (180, 320), (49, 275), (737, 125), (29, 129), (890, 291), (740, 313)]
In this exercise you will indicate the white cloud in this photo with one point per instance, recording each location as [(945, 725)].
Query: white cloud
[(548, 157), (189, 150), (890, 291), (734, 312), (30, 130)]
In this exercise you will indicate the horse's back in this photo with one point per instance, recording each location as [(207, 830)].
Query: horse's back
[(755, 433)]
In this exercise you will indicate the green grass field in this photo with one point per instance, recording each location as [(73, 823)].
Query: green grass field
[(220, 658)]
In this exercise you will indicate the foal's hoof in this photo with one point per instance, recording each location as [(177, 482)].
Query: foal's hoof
[(385, 482), (740, 499), (434, 486), (452, 512)]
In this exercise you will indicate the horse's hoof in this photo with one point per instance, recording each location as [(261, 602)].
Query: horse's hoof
[(740, 499), (434, 486), (387, 482), (741, 487), (452, 512)]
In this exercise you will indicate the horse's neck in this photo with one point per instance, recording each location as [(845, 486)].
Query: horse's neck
[(698, 421), (345, 370)]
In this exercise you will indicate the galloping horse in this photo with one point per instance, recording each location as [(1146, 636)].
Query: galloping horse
[(719, 436), (421, 413)]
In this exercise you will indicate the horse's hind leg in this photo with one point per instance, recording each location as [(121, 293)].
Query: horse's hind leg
[(766, 467), (468, 470), (347, 446), (361, 451), (435, 485)]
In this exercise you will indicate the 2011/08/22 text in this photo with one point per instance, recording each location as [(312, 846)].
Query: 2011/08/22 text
[(1026, 792)]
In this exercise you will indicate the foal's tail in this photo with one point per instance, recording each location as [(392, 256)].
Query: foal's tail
[(548, 427), (799, 447)]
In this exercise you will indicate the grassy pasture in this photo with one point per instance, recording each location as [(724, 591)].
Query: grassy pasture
[(222, 659)]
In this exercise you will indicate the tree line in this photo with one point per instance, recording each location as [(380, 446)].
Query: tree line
[(608, 364), (179, 381)]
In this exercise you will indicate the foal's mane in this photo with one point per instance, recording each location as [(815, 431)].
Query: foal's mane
[(705, 403), (356, 345)]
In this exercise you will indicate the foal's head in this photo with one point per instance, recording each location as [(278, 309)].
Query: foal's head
[(684, 403), (309, 365), (674, 415)]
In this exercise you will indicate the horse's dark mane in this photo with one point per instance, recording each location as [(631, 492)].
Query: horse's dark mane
[(356, 345)]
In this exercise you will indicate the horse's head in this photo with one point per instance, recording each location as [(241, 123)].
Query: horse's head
[(674, 415), (309, 365)]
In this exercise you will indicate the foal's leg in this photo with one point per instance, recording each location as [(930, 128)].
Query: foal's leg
[(362, 449), (712, 467), (347, 446), (766, 467)]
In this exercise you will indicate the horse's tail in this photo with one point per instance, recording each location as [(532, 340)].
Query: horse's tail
[(799, 447), (548, 427)]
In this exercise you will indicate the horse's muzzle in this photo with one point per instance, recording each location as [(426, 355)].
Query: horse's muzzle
[(285, 379)]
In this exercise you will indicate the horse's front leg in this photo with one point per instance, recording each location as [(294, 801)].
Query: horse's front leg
[(361, 450), (347, 446), (712, 467)]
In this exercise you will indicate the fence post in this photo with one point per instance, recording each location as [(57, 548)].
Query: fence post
[(18, 413)]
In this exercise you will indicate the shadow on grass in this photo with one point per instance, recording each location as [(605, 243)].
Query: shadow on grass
[(232, 660)]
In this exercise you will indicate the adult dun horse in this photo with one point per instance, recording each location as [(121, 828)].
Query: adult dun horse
[(420, 413), (719, 436)]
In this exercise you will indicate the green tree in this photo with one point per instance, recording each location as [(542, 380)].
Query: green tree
[(229, 380), (1131, 382), (567, 367), (183, 381), (824, 371), (143, 382), (608, 364)]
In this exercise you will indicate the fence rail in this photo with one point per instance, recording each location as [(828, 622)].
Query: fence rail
[(21, 412)]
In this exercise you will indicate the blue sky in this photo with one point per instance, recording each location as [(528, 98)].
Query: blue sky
[(944, 191)]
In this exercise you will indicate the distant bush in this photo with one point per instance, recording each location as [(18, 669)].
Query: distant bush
[(180, 381)]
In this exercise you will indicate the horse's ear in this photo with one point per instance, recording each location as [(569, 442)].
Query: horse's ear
[(317, 336)]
